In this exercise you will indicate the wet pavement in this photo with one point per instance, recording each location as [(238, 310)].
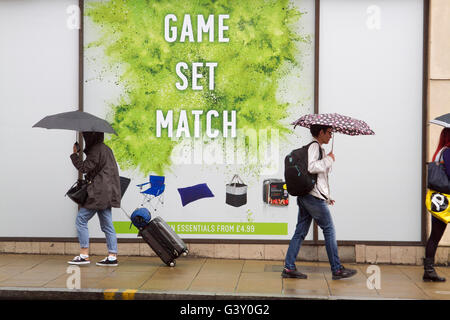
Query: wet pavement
[(26, 276)]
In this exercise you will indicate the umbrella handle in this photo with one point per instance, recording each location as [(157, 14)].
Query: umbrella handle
[(332, 144)]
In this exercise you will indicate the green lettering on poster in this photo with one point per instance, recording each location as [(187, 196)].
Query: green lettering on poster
[(213, 228)]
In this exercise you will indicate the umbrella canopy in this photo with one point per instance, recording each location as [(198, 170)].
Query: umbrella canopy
[(75, 120), (340, 123), (443, 120)]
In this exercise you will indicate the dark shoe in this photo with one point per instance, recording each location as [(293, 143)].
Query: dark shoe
[(108, 263), (287, 273), (430, 274), (343, 273), (79, 261)]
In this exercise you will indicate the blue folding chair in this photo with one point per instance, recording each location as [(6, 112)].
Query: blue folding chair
[(154, 195)]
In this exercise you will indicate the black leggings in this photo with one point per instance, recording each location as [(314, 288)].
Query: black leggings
[(437, 230)]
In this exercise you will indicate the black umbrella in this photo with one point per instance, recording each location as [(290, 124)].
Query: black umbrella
[(75, 120), (443, 120)]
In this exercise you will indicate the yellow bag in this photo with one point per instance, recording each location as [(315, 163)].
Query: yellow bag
[(438, 205)]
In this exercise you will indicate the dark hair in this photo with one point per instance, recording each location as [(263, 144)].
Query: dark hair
[(316, 128), (444, 141)]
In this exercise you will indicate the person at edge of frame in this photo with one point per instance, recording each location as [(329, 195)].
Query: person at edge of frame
[(315, 206), (437, 226)]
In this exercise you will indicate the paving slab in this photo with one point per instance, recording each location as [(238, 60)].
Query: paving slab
[(27, 276)]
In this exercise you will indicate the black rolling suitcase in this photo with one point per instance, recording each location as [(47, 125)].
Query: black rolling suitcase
[(163, 240)]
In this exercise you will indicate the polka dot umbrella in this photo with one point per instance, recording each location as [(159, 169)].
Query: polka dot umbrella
[(339, 123)]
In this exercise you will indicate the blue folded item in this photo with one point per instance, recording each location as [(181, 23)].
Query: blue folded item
[(190, 194), (141, 217)]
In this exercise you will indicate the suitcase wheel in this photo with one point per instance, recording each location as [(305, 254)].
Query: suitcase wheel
[(185, 252), (172, 264)]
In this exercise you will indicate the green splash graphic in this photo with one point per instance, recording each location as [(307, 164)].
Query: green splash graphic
[(261, 42)]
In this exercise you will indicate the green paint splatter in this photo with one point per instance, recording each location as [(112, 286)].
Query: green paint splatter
[(250, 217), (262, 40)]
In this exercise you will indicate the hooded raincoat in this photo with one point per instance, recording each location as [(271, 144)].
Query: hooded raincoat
[(104, 191)]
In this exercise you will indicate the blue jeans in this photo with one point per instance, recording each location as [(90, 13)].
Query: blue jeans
[(309, 208), (106, 224)]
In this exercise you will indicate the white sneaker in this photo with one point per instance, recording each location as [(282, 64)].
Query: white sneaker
[(108, 263), (79, 260)]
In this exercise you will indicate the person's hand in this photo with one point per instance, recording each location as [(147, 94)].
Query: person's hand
[(331, 202), (331, 155)]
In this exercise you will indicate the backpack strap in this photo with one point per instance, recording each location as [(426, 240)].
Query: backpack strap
[(323, 195), (320, 148), (320, 158)]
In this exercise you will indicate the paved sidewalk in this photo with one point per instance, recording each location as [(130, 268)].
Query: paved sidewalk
[(24, 276)]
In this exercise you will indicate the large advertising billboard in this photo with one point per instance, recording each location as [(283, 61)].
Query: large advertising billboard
[(201, 95)]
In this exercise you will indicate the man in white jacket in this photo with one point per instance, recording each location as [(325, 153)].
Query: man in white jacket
[(315, 206)]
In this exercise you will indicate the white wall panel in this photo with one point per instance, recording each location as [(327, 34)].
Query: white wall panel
[(38, 77), (371, 69)]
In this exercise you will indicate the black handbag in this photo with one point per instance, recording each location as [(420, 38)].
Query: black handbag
[(78, 192), (437, 177)]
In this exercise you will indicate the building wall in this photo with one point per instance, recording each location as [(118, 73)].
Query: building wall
[(438, 103)]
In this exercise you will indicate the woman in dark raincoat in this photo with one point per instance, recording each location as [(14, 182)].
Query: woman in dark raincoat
[(103, 193), (442, 153)]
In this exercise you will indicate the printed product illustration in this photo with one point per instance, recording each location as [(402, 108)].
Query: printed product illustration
[(194, 193), (153, 196), (275, 192), (236, 192)]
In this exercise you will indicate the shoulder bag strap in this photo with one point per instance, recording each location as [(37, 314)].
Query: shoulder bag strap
[(91, 178), (441, 155)]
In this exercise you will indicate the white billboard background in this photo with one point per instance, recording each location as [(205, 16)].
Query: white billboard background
[(296, 88), (371, 69), (38, 77)]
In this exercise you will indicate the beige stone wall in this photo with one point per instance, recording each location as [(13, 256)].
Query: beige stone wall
[(410, 255), (439, 39), (439, 75)]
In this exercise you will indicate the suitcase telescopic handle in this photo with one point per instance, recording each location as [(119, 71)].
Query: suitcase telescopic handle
[(129, 217)]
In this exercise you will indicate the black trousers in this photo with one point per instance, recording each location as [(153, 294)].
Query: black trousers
[(437, 230)]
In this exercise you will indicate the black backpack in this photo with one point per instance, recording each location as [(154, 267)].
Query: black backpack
[(299, 181)]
